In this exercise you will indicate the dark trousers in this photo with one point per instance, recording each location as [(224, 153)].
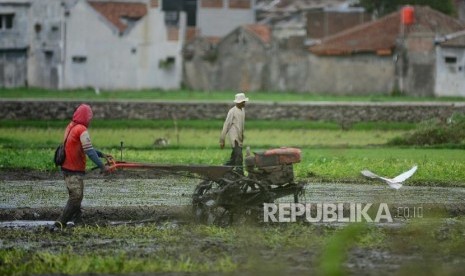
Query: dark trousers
[(236, 159)]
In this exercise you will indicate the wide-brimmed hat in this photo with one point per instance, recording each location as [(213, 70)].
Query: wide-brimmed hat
[(240, 97)]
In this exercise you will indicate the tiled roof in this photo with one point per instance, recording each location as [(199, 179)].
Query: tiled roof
[(115, 11), (263, 32), (380, 36)]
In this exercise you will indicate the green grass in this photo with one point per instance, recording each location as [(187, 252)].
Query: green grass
[(327, 155), (273, 249), (196, 138), (187, 95)]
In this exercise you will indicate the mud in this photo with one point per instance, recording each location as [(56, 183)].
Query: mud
[(41, 196), (31, 200)]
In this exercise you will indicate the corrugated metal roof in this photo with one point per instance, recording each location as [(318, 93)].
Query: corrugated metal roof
[(380, 36)]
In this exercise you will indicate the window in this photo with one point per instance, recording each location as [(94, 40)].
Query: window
[(167, 63), (79, 59), (6, 21), (450, 60), (171, 18)]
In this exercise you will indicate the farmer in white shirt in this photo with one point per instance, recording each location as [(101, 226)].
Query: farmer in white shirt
[(234, 127)]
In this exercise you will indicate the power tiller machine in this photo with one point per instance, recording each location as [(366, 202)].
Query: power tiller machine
[(224, 193)]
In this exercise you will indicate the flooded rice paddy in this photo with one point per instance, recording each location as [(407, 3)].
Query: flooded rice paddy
[(146, 221), (117, 198)]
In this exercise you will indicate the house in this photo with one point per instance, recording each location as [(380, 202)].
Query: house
[(383, 55), (312, 18), (13, 43), (105, 44), (243, 58), (130, 47), (450, 65), (269, 55), (237, 61)]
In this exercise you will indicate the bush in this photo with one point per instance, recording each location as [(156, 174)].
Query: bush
[(435, 132)]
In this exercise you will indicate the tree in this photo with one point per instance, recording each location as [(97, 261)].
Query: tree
[(382, 7)]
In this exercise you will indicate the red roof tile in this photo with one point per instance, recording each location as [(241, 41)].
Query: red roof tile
[(263, 32), (114, 11), (380, 36)]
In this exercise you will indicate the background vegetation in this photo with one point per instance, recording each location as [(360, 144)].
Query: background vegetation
[(383, 7)]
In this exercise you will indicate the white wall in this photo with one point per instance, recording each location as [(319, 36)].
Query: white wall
[(450, 77), (114, 61), (221, 21)]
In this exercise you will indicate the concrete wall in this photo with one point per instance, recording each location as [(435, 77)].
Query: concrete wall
[(45, 43), (199, 64), (344, 113), (242, 61), (13, 69), (420, 65), (288, 71), (450, 76), (361, 74), (255, 67)]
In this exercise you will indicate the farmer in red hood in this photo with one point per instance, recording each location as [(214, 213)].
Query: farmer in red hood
[(77, 146)]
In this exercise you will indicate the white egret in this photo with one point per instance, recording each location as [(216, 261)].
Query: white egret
[(395, 182)]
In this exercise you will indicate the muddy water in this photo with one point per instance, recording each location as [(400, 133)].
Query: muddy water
[(140, 197), (176, 191), (98, 192), (330, 192)]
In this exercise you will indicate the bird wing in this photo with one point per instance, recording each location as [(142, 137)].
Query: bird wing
[(404, 176), (367, 173), (396, 186)]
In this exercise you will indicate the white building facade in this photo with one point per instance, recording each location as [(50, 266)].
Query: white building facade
[(72, 44), (142, 56), (217, 18), (450, 66)]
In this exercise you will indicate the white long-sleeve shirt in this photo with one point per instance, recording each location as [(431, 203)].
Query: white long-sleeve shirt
[(234, 126)]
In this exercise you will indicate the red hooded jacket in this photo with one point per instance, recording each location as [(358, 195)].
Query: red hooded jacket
[(75, 157)]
